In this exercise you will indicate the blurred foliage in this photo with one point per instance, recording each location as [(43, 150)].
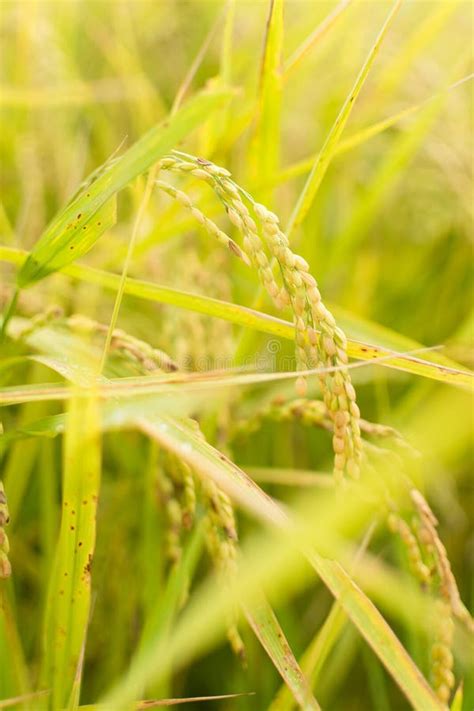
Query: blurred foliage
[(389, 238)]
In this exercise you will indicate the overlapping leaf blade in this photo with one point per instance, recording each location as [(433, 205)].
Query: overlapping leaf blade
[(71, 234), (442, 369)]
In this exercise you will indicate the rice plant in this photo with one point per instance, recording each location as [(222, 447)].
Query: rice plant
[(235, 356)]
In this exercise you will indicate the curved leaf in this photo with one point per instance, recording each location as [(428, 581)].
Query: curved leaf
[(71, 233), (324, 158), (361, 611), (445, 370)]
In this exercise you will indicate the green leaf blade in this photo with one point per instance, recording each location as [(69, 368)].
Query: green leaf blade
[(264, 623), (328, 150), (65, 245), (63, 240), (443, 370), (359, 608), (69, 597)]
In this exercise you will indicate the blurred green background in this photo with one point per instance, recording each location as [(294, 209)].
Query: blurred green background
[(389, 239)]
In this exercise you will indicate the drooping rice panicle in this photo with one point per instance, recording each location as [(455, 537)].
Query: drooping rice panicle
[(173, 512), (148, 357), (320, 343), (221, 541), (177, 486), (417, 565), (429, 562), (210, 226), (229, 193), (428, 535), (441, 656)]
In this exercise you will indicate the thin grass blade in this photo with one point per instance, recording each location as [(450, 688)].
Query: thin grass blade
[(360, 137), (356, 604), (316, 35), (264, 623), (164, 703), (442, 369), (393, 166), (23, 699), (325, 157), (184, 442), (457, 702), (319, 648)]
